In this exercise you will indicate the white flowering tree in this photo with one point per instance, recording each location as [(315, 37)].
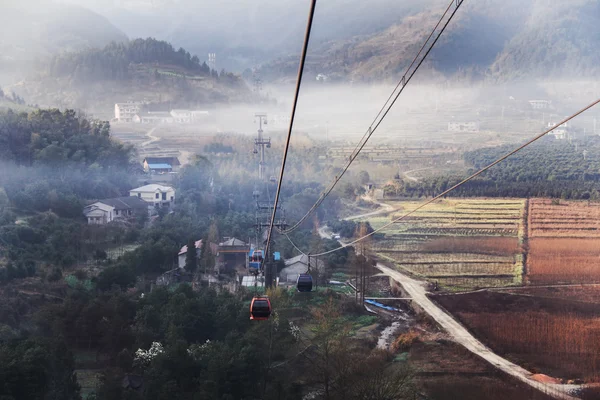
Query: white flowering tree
[(144, 357)]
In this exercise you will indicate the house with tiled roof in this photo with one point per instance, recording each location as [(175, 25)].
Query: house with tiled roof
[(119, 208)]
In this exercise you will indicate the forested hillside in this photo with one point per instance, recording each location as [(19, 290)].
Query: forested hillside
[(31, 31), (520, 39), (112, 62), (548, 168), (142, 69)]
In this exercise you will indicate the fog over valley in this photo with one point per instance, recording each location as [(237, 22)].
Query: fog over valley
[(182, 218)]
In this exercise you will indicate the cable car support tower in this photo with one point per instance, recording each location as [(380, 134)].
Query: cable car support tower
[(264, 209)]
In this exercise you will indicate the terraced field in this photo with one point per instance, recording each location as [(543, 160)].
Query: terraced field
[(564, 244), (460, 243)]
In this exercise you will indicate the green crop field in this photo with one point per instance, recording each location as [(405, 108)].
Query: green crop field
[(460, 243)]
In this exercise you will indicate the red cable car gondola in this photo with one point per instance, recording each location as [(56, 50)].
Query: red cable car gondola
[(260, 308)]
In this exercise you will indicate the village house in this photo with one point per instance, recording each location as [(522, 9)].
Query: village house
[(561, 132), (232, 255), (296, 266), (120, 208), (182, 255), (161, 164), (155, 195)]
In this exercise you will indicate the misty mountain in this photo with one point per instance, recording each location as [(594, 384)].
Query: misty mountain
[(143, 70), (29, 31), (246, 33), (521, 39)]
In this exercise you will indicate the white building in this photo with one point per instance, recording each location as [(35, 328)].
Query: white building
[(181, 116), (155, 195), (296, 266), (125, 112), (109, 210), (540, 104), (561, 132), (463, 126)]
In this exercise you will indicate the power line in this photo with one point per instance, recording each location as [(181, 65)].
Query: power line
[(375, 124), (311, 14), (444, 193)]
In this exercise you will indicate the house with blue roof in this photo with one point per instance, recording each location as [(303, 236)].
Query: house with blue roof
[(161, 164)]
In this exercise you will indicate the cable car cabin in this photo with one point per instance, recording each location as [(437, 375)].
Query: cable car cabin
[(304, 283), (260, 308)]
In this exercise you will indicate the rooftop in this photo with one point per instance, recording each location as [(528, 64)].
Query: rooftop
[(233, 242), (124, 203), (161, 160), (153, 187), (159, 166)]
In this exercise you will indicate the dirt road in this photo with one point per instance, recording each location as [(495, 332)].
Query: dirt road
[(385, 208), (412, 178), (417, 292), (151, 137)]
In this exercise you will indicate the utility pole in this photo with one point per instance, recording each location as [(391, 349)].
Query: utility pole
[(260, 143)]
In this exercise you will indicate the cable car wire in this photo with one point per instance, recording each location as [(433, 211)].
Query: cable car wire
[(444, 193), (311, 15), (375, 124)]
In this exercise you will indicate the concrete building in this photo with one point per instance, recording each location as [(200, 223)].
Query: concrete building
[(561, 132), (540, 104), (109, 210), (181, 116), (463, 126), (161, 164), (155, 195), (125, 112)]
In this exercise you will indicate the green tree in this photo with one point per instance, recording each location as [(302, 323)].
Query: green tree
[(191, 257)]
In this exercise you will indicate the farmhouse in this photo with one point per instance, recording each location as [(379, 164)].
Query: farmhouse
[(120, 208), (155, 195), (161, 164)]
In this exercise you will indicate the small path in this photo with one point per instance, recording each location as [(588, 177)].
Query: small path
[(384, 209), (152, 138), (412, 178)]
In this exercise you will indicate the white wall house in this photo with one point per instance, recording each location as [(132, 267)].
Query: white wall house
[(108, 210), (182, 116), (125, 112), (183, 253), (155, 195), (99, 213), (296, 266)]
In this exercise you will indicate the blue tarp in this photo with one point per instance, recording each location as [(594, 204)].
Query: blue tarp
[(276, 256), (376, 304), (160, 166)]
